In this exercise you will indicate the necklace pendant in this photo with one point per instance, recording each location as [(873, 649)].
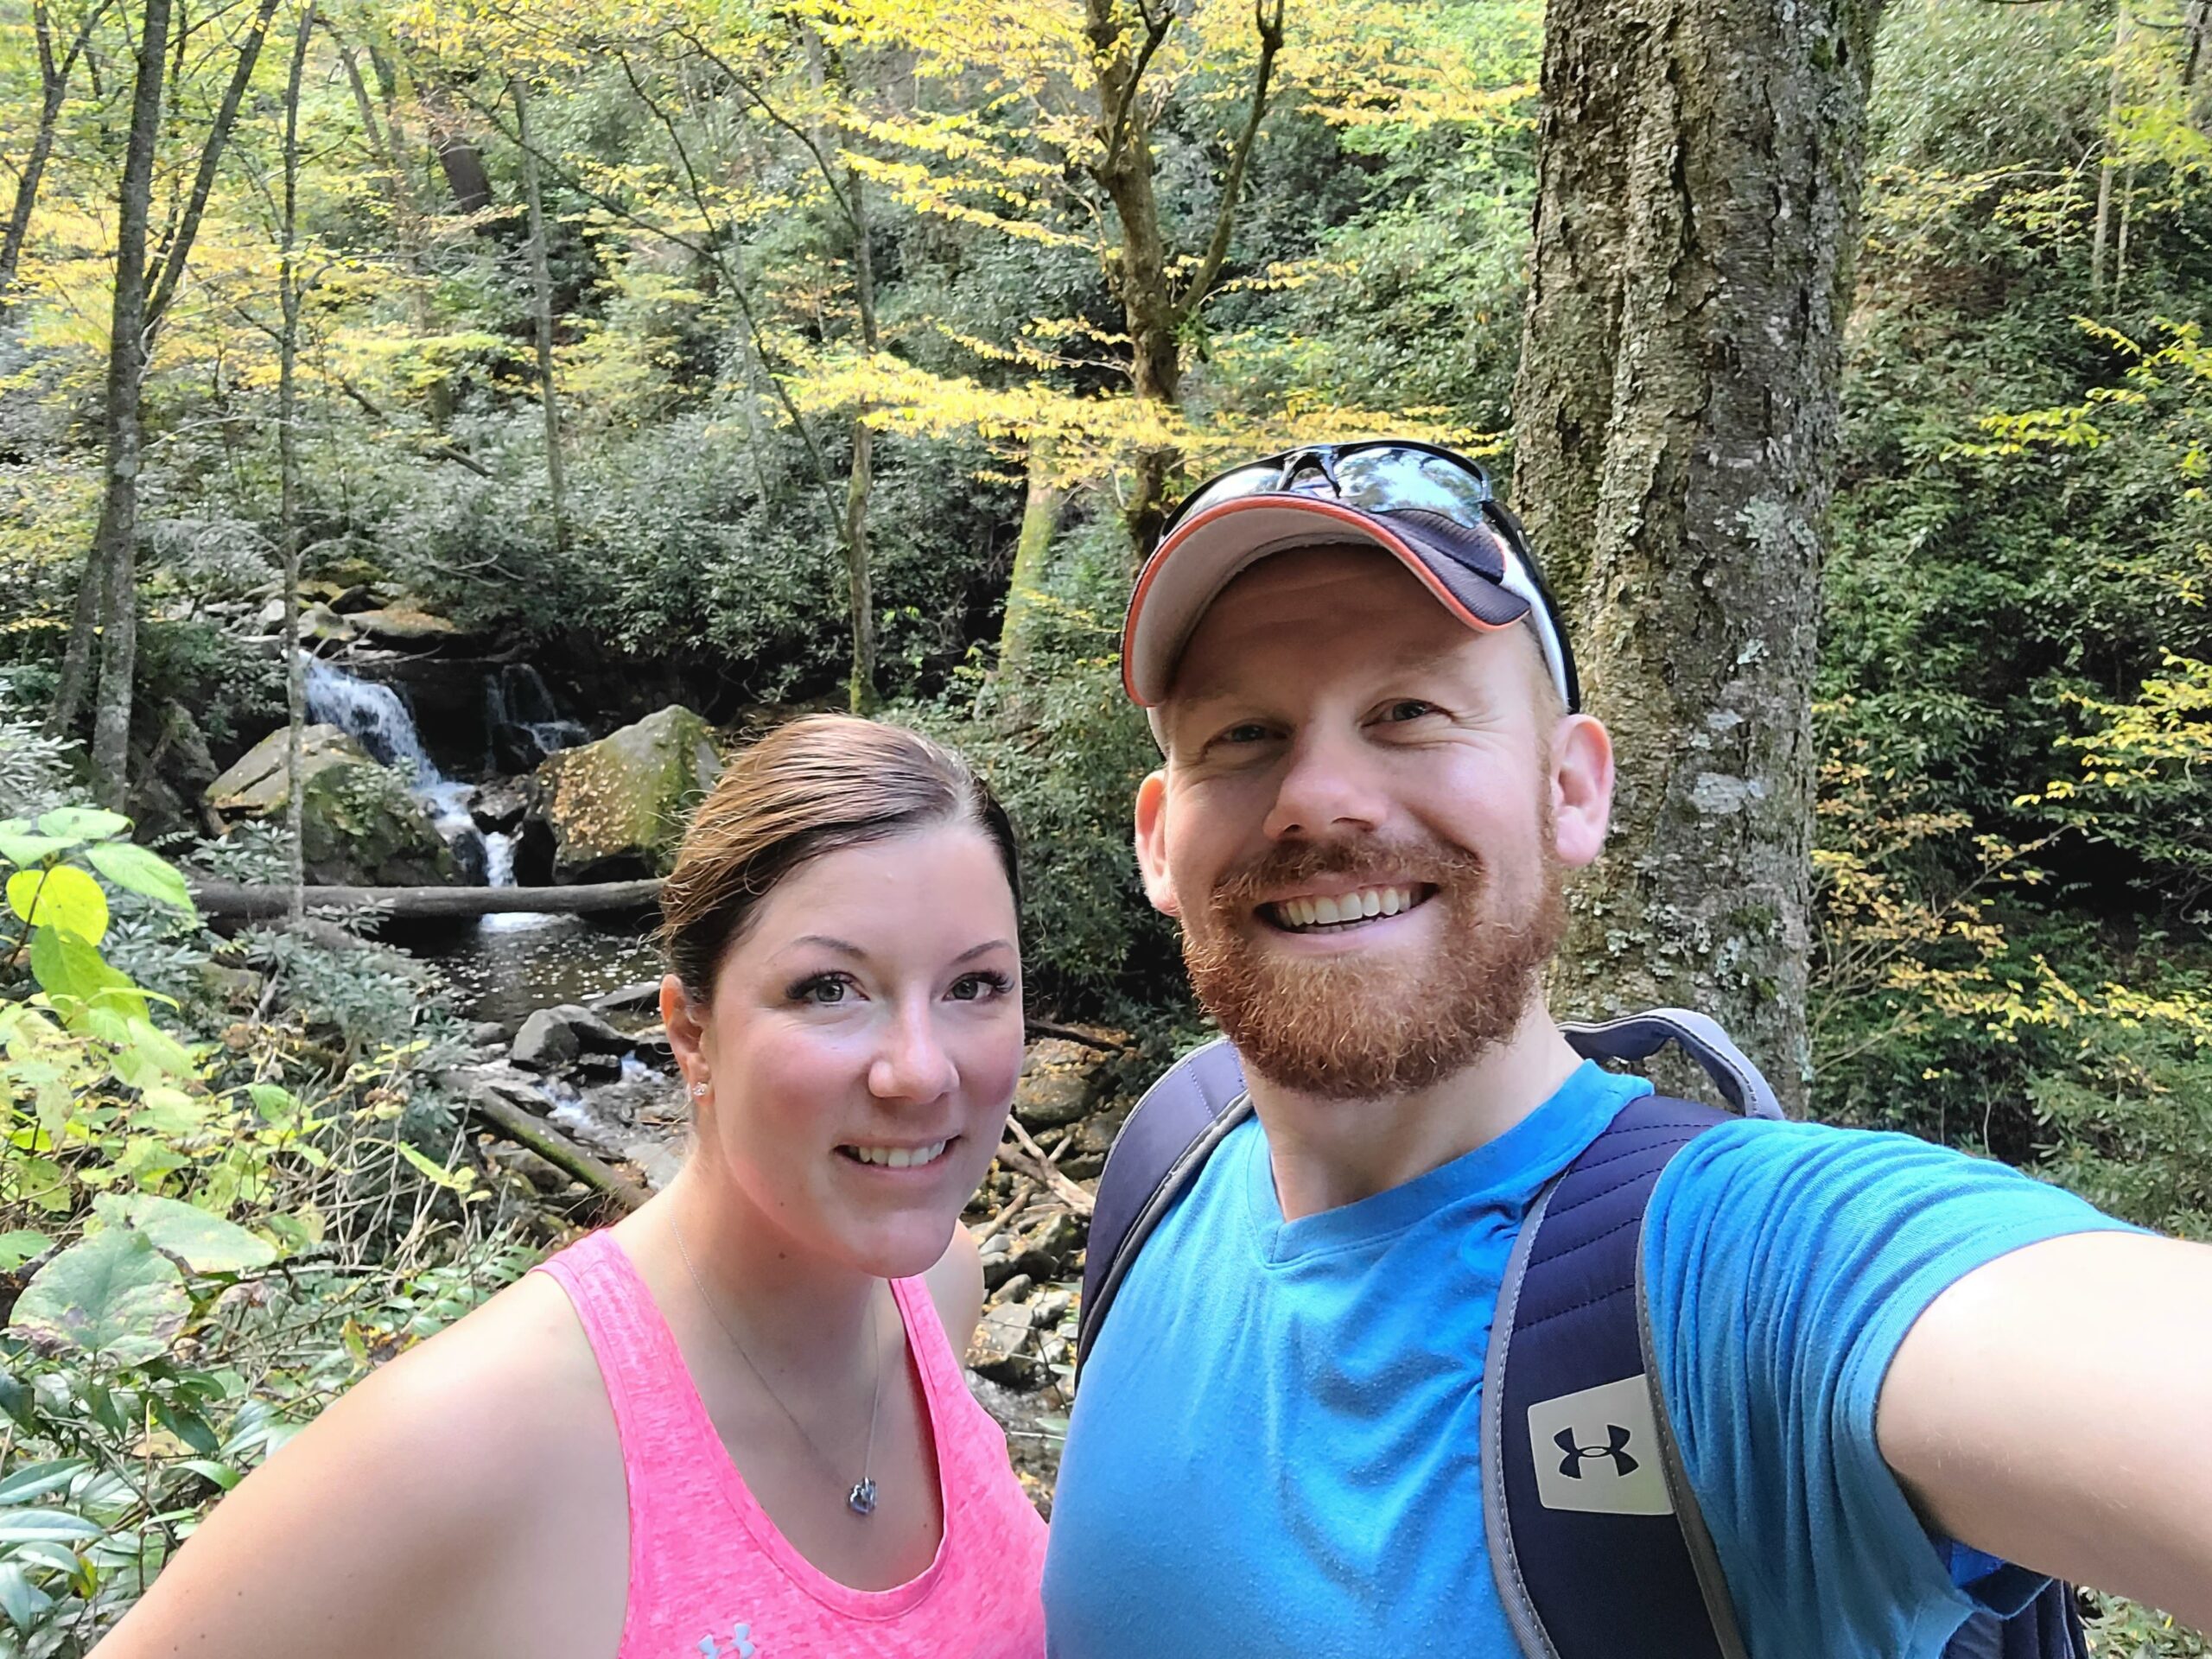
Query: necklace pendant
[(861, 1499)]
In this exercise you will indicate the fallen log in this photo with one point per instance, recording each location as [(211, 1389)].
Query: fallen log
[(548, 1143), (234, 899)]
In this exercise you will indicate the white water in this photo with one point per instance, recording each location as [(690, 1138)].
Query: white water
[(374, 716)]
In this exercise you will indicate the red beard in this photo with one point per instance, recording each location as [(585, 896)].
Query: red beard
[(1350, 1029)]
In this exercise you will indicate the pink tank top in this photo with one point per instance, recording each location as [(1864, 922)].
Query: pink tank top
[(711, 1576)]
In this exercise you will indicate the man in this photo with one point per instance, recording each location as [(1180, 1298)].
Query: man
[(1373, 779)]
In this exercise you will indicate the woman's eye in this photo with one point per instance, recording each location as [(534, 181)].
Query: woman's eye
[(823, 990), (975, 987)]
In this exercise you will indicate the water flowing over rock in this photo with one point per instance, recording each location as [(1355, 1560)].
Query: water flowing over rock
[(360, 823), (619, 805), (378, 718)]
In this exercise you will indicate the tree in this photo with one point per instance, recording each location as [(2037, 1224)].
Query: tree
[(1677, 443), (144, 291), (53, 91)]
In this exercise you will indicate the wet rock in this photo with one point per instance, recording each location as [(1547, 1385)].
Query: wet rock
[(1060, 1083), (645, 994), (405, 622), (360, 824), (552, 1037), (1084, 1159), (1051, 1307), (1048, 1249), (1015, 1289), (621, 804), (499, 805), (486, 1031), (1001, 1350)]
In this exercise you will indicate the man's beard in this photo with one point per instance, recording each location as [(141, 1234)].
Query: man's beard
[(1358, 1027)]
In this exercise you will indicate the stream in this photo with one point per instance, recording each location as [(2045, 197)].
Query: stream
[(501, 968)]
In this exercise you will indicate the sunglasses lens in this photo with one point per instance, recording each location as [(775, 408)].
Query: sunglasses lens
[(1386, 479), (1245, 481)]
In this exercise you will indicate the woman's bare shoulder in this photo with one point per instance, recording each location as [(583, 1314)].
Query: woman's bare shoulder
[(411, 1516)]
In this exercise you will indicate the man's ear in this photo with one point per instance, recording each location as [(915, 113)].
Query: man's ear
[(687, 1029), (1581, 783), (1151, 843)]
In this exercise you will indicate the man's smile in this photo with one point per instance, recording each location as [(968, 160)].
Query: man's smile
[(1313, 911)]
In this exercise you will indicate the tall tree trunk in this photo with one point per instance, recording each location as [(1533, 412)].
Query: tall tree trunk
[(2108, 163), (288, 459), (1676, 430), (860, 482), (541, 278), (112, 570), (143, 293), (1040, 522)]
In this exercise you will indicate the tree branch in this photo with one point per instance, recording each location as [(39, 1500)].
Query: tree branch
[(1224, 222), (813, 148), (168, 265)]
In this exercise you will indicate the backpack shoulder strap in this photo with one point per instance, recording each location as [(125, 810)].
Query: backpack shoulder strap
[(1159, 1151), (1594, 1535)]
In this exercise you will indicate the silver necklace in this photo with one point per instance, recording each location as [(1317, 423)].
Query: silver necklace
[(861, 1499)]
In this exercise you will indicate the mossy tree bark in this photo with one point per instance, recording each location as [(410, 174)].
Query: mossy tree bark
[(1676, 442)]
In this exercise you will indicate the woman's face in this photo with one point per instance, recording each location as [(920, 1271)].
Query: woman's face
[(862, 1045)]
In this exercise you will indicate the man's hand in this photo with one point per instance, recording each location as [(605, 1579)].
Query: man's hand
[(2055, 1409)]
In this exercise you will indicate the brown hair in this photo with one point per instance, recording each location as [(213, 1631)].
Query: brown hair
[(820, 783)]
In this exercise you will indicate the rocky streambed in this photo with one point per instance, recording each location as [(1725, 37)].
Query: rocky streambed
[(581, 1102)]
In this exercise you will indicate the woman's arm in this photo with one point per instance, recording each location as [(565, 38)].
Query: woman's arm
[(957, 1286), (406, 1519)]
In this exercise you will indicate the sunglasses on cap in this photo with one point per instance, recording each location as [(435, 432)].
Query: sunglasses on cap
[(1435, 511)]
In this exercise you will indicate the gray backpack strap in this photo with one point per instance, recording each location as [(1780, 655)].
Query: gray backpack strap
[(1637, 1037)]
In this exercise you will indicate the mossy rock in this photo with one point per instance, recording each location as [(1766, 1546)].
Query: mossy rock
[(619, 805), (360, 824)]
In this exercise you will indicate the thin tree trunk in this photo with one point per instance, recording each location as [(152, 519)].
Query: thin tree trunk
[(2107, 163), (860, 482), (1040, 522), (143, 293), (54, 92), (1677, 421), (288, 453), (111, 571), (541, 277)]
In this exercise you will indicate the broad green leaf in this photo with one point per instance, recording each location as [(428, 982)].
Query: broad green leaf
[(83, 824), (147, 1053), (67, 967), (42, 1183), (20, 1246), (274, 1102), (166, 1109), (205, 1243), (225, 1475), (453, 1180), (61, 896), (37, 1479), (23, 1602), (188, 1426), (45, 1526), (113, 1295), (133, 867), (18, 848)]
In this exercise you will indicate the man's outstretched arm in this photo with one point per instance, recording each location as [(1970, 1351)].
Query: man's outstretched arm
[(2055, 1408)]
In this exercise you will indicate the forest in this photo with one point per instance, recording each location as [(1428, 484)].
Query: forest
[(431, 433)]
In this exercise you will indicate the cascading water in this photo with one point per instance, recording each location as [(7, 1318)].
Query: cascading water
[(521, 722), (375, 717)]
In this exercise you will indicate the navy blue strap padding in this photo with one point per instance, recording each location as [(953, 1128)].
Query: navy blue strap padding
[(2049, 1628), (1579, 1584), (1160, 1148)]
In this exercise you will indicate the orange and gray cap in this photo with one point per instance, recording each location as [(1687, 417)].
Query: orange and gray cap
[(1430, 510)]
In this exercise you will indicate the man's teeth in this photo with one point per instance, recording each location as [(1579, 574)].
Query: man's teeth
[(900, 1157), (1325, 910)]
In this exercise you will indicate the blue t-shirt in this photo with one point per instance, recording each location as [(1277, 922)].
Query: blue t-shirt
[(1276, 1446)]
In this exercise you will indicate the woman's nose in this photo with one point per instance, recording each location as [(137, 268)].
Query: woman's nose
[(913, 1063)]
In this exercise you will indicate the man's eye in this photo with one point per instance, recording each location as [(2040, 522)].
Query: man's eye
[(823, 990), (1249, 731), (1408, 709)]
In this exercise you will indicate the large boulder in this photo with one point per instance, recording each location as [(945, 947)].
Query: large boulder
[(618, 806), (359, 824)]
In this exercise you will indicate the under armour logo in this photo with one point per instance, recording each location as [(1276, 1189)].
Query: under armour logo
[(741, 1634), (1616, 1448)]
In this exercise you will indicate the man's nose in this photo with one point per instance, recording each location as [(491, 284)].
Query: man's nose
[(1329, 786), (913, 1063)]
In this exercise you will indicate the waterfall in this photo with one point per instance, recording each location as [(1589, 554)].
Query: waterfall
[(522, 723), (378, 719)]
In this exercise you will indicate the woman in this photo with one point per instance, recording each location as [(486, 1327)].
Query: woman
[(734, 1424)]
